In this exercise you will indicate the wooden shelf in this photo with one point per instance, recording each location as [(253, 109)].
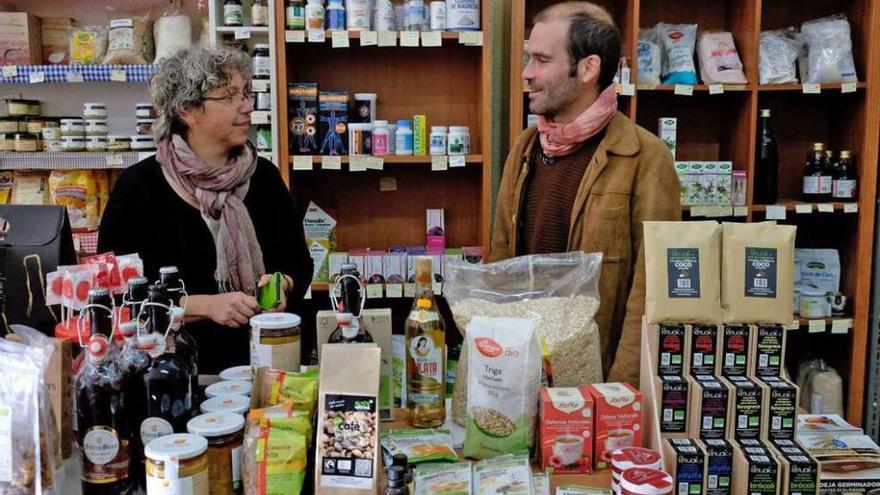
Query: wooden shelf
[(792, 204), (829, 88), (698, 88), (356, 35)]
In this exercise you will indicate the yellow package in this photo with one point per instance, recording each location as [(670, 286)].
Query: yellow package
[(88, 45), (102, 186), (5, 187), (31, 188), (76, 190)]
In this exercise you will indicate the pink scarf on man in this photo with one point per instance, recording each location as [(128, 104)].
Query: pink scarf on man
[(562, 139), (219, 194)]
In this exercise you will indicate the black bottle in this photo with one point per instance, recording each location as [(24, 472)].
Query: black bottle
[(134, 361), (766, 164), (184, 342)]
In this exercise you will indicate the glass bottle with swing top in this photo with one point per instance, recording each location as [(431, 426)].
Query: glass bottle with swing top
[(185, 344), (349, 307)]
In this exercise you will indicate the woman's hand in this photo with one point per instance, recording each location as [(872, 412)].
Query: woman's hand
[(285, 288), (233, 309)]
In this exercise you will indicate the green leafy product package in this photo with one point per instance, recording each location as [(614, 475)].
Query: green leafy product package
[(275, 456)]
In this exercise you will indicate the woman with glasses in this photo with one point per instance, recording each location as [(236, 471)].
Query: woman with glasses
[(208, 205)]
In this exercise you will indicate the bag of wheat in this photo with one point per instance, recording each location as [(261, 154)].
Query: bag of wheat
[(560, 290)]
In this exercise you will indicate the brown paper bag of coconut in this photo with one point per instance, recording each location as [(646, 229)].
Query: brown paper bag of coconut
[(347, 450)]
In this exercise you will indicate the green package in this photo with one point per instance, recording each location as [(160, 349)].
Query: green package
[(275, 456), (443, 479), (428, 445)]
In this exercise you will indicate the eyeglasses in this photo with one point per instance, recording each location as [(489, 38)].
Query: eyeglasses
[(233, 98)]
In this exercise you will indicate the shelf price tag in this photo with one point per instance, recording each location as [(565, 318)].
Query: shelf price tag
[(308, 293), (716, 89), (684, 90), (394, 290), (387, 38), (114, 160), (817, 326), (409, 290), (357, 163), (470, 38), (331, 163), (438, 288), (118, 75), (374, 291), (456, 161), (804, 209), (10, 71), (811, 89), (259, 85), (775, 212), (826, 208), (375, 163), (849, 87), (387, 184), (409, 38), (851, 208), (439, 163), (740, 211), (295, 36), (432, 38), (37, 77), (339, 39), (302, 162), (627, 89), (261, 117), (841, 326), (75, 77), (143, 155), (317, 36), (369, 38), (242, 33), (795, 325)]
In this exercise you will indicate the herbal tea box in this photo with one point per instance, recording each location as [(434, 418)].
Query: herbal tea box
[(736, 350), (744, 417), (565, 434), (719, 466), (709, 182), (799, 471), (779, 408), (333, 122), (671, 340), (674, 405), (617, 413), (710, 401), (412, 253), (395, 268), (359, 258), (375, 267), (319, 229), (683, 171), (436, 229), (724, 184), (303, 118), (703, 349), (768, 348), (451, 256), (685, 461), (335, 265), (755, 470), (667, 132)]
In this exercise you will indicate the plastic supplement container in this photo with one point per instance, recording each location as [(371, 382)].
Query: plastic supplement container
[(358, 14), (404, 138), (244, 373), (380, 137), (459, 140), (463, 15), (438, 140), (645, 481), (231, 387), (275, 341), (237, 404), (365, 107), (177, 465), (812, 303), (315, 15), (225, 435), (262, 60), (95, 110), (438, 16)]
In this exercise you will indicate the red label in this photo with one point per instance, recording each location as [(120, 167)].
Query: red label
[(488, 347)]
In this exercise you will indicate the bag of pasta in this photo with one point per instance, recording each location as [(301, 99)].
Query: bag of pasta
[(274, 455), (76, 189), (561, 290)]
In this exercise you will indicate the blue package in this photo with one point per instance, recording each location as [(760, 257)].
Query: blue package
[(678, 42)]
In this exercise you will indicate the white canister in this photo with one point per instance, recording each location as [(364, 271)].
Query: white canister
[(96, 127), (177, 464), (438, 140), (357, 15), (228, 387), (645, 481), (315, 15), (383, 16), (96, 143), (275, 341), (463, 15), (95, 110), (245, 373), (438, 16), (458, 141), (813, 303), (238, 404)]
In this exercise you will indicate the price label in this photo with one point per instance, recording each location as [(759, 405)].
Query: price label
[(851, 208), (826, 208), (719, 211), (817, 326), (295, 36), (432, 38), (118, 75), (259, 85), (394, 290), (439, 163), (339, 39), (143, 155), (409, 290), (374, 291), (409, 38), (716, 89), (684, 90), (841, 326), (471, 38), (357, 163), (331, 163), (37, 77), (115, 160), (261, 117), (803, 209), (317, 36), (375, 163), (740, 211), (795, 325), (302, 162), (369, 38), (849, 87), (811, 89), (438, 288), (387, 38), (627, 89), (242, 33), (387, 184), (776, 212), (75, 77), (456, 161), (10, 71)]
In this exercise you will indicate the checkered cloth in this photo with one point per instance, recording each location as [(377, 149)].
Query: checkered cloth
[(87, 242), (90, 73)]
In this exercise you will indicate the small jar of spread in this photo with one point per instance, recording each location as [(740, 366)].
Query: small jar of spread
[(262, 60), (7, 142), (53, 145), (95, 110), (34, 125), (225, 435), (177, 464), (143, 143), (145, 127), (73, 143), (244, 372), (231, 387), (237, 404), (96, 127), (22, 108), (9, 125), (144, 111), (73, 127), (27, 142), (51, 132), (96, 143), (118, 143), (276, 341)]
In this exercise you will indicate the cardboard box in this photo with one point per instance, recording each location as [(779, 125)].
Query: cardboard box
[(671, 349), (334, 266), (398, 369), (375, 267), (799, 472), (709, 180), (703, 344), (719, 466), (565, 434), (436, 229), (412, 253), (847, 465), (768, 348), (710, 403), (666, 130), (755, 469), (825, 425), (779, 408), (378, 323), (724, 184), (19, 39), (683, 172), (739, 187), (736, 350), (319, 229), (359, 258), (674, 406), (55, 39), (395, 268), (745, 416), (617, 412), (59, 383), (303, 118), (437, 264), (420, 135), (685, 461), (697, 194), (451, 256), (333, 122)]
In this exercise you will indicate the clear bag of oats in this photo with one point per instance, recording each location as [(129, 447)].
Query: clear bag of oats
[(560, 290)]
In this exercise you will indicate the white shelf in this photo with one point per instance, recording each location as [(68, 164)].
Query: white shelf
[(252, 29), (70, 160)]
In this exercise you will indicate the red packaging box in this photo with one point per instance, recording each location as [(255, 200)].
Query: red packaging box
[(617, 419), (566, 440)]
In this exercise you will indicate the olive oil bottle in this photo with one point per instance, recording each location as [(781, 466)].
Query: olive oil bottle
[(425, 354)]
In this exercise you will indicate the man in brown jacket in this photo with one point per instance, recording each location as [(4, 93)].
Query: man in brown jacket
[(586, 177)]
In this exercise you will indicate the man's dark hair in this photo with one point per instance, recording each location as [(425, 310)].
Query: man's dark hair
[(591, 31)]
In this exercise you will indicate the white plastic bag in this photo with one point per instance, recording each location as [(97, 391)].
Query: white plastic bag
[(719, 60), (829, 50), (172, 32), (649, 56), (779, 52), (127, 38), (678, 52)]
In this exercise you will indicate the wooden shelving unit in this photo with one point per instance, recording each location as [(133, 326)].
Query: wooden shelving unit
[(449, 84), (725, 126)]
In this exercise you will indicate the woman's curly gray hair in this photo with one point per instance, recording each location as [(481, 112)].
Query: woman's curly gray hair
[(184, 78)]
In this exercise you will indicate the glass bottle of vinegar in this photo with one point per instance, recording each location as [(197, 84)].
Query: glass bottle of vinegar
[(425, 354)]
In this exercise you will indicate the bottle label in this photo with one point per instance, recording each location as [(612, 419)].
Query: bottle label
[(811, 185), (380, 144), (100, 445), (153, 428), (760, 272), (198, 484), (845, 189), (262, 66), (683, 272), (427, 357), (296, 17), (825, 184), (260, 15), (233, 14), (105, 456)]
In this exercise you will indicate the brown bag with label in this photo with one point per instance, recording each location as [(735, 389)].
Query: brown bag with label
[(758, 273), (682, 272)]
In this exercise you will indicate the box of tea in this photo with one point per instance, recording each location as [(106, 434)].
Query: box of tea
[(617, 412), (565, 440)]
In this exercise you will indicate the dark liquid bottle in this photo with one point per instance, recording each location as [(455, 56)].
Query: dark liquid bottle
[(184, 342), (767, 164), (816, 175), (845, 182), (134, 361), (396, 483), (102, 420), (350, 328), (167, 381)]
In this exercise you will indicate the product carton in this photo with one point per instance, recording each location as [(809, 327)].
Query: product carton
[(696, 190), (709, 181), (736, 350), (451, 256), (703, 345), (375, 267), (779, 408), (31, 188), (768, 348), (565, 435), (685, 461), (739, 186), (335, 265), (847, 464), (319, 228), (333, 122), (19, 39), (359, 258), (710, 401), (378, 323), (436, 229), (745, 416), (55, 39), (412, 253), (673, 406), (799, 472), (667, 133), (420, 135), (719, 466), (437, 264), (395, 268), (825, 425), (303, 117), (724, 184), (671, 349), (755, 469), (617, 412), (682, 169)]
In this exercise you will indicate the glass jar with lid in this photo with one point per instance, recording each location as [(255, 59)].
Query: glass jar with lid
[(7, 142), (233, 13), (244, 373), (177, 464), (96, 127), (22, 108), (95, 110), (73, 143), (143, 143), (118, 143), (9, 125), (96, 143), (144, 111), (259, 13), (237, 404), (275, 341), (225, 435), (27, 142), (228, 387), (262, 60)]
